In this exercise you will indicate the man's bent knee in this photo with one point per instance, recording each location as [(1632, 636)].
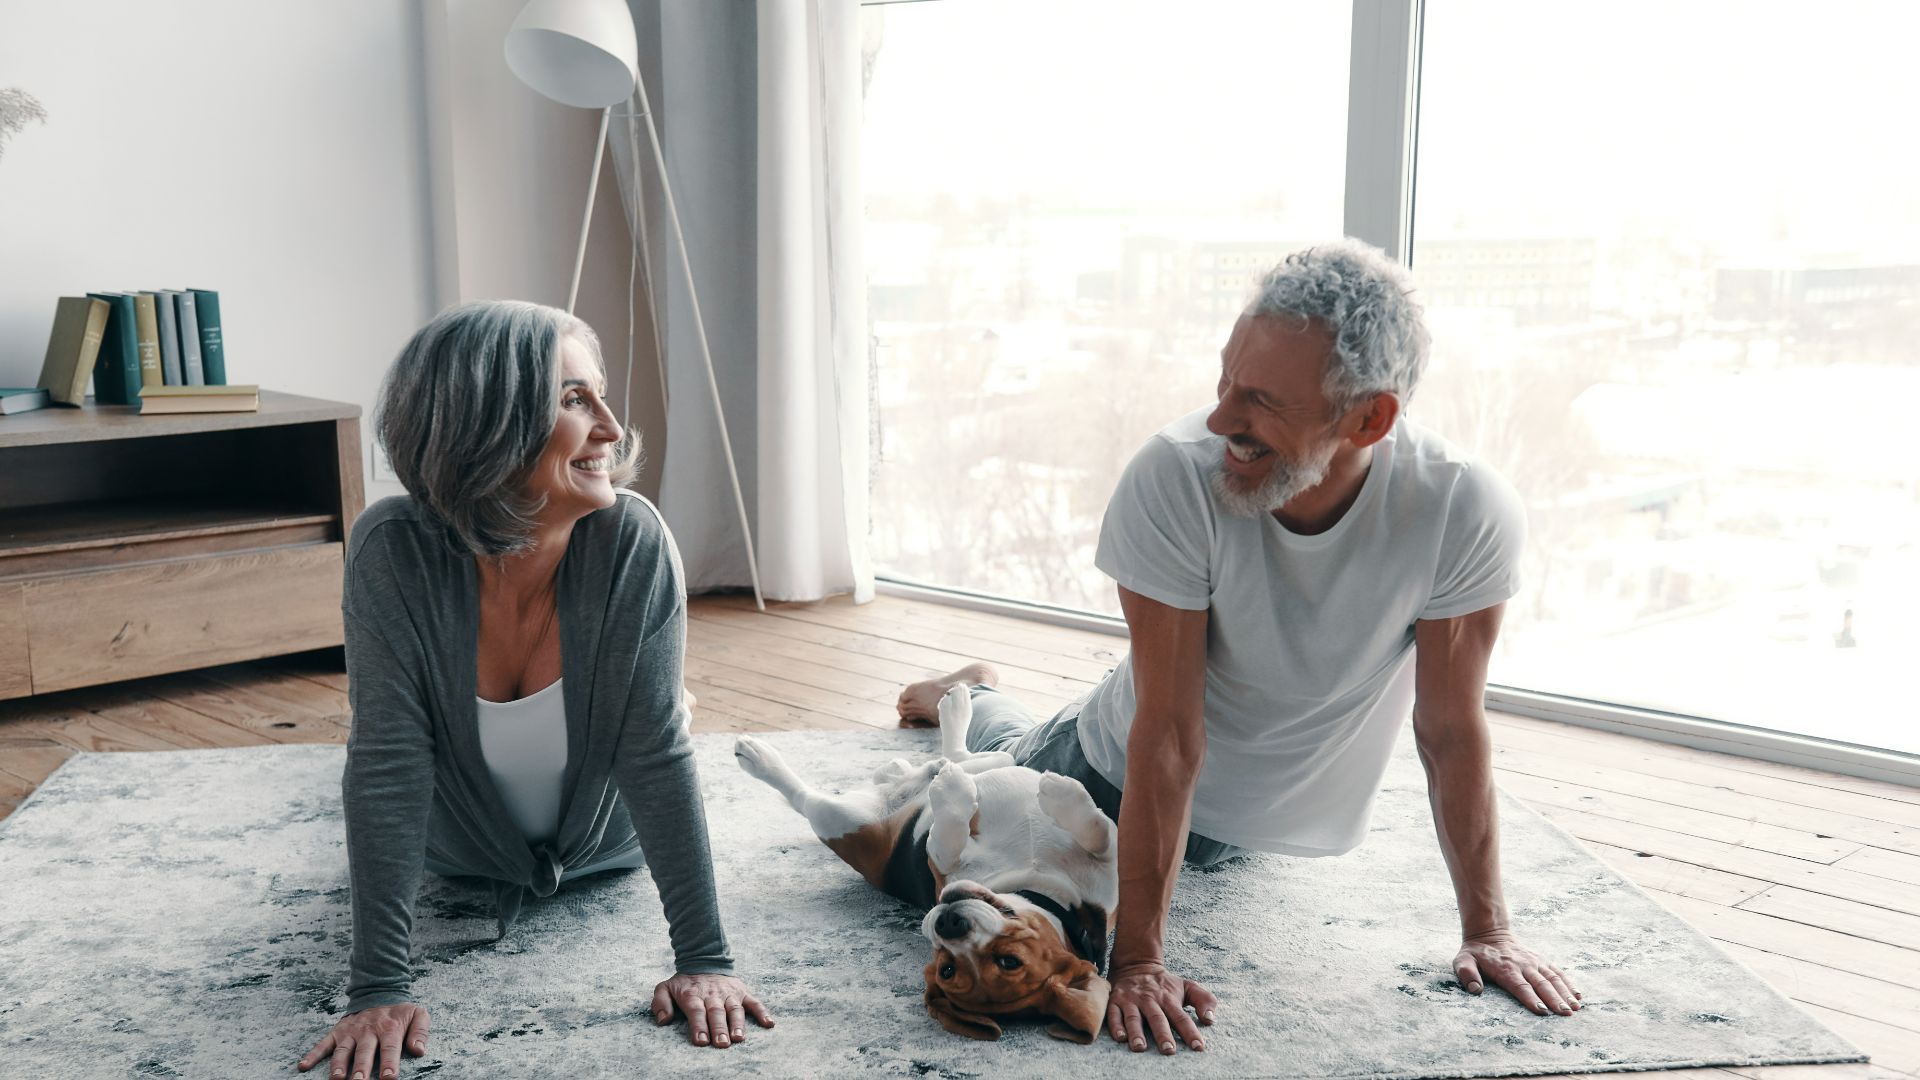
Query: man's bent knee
[(998, 721)]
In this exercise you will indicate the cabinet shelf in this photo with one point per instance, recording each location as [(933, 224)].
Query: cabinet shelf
[(135, 545), (45, 530)]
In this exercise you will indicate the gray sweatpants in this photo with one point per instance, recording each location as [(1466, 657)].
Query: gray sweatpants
[(1000, 722)]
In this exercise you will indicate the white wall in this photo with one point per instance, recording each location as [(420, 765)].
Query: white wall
[(339, 171), (270, 151)]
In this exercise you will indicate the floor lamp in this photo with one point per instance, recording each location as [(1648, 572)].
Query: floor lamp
[(585, 53)]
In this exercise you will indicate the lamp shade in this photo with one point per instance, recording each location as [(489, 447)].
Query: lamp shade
[(577, 52)]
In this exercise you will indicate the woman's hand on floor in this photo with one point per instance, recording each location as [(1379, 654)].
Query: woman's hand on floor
[(356, 1039), (716, 1007)]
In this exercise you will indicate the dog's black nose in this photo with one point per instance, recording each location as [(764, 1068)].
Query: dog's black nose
[(951, 925)]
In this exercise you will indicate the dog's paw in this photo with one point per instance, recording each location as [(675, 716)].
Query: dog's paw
[(953, 793), (758, 759), (956, 708), (1063, 799), (892, 772)]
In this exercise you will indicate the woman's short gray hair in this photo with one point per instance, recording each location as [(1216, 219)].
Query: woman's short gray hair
[(468, 406), (1365, 301)]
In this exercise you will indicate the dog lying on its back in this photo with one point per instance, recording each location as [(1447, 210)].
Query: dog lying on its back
[(1015, 869)]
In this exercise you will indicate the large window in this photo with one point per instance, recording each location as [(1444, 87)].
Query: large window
[(1670, 253), (1066, 205)]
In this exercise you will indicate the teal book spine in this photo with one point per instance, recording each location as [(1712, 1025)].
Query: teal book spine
[(116, 373), (213, 349), (19, 399)]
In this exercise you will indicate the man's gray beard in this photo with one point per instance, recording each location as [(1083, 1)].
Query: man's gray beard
[(1285, 480)]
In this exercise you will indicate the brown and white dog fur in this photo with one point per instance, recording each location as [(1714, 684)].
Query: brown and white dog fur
[(965, 836)]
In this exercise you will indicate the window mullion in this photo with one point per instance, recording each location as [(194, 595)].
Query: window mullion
[(1382, 117)]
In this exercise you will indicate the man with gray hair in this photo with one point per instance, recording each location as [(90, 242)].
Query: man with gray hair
[(1300, 566)]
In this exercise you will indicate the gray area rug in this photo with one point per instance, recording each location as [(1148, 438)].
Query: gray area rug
[(186, 914)]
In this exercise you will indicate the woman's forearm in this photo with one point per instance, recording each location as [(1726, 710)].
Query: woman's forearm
[(663, 793), (386, 796), (654, 768), (386, 817)]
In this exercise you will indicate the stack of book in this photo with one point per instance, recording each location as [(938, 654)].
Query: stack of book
[(166, 342)]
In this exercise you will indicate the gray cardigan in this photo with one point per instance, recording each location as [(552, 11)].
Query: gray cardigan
[(411, 604)]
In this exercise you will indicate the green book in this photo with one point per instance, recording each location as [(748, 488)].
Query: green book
[(213, 350), (78, 324), (116, 374), (18, 399)]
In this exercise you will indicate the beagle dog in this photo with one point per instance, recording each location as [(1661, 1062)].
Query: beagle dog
[(1015, 868)]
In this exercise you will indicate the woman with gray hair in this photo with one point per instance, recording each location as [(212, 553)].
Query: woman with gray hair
[(515, 630)]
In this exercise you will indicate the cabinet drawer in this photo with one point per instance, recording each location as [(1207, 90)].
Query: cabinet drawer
[(98, 627), (15, 679)]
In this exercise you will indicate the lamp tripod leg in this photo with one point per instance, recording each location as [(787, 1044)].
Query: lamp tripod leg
[(586, 216), (700, 333)]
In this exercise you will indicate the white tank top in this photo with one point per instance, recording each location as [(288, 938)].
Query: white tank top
[(524, 743)]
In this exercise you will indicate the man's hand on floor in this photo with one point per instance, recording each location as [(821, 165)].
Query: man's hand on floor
[(1518, 970), (1147, 1000), (716, 1008)]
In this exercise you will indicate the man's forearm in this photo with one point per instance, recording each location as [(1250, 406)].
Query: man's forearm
[(1155, 806), (1465, 815)]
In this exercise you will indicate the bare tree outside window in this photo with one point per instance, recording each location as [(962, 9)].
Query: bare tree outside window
[(1057, 252)]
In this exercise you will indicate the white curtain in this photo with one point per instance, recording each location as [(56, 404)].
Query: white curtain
[(759, 110)]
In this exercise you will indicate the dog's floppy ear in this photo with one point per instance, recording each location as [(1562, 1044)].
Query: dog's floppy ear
[(1079, 1007), (959, 1021)]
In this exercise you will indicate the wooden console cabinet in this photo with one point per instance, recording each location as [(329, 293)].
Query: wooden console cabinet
[(135, 545)]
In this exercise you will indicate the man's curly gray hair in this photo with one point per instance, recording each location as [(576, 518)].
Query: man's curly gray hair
[(1364, 300)]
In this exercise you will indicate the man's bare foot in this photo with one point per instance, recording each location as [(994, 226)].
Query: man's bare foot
[(921, 701)]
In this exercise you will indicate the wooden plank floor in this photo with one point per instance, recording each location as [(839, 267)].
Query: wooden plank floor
[(1811, 879)]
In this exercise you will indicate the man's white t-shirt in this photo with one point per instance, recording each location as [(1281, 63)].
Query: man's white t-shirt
[(1309, 638)]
